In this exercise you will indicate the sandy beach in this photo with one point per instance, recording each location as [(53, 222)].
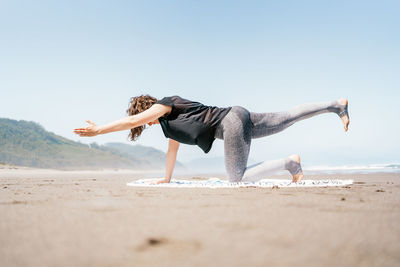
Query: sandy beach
[(58, 218)]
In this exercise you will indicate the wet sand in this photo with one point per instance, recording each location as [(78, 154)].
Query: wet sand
[(56, 218)]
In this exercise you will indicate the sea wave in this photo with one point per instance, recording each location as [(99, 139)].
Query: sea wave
[(386, 167)]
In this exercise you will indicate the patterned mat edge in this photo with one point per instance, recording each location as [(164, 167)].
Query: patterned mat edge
[(218, 183)]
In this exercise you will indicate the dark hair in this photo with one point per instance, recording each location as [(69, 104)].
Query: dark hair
[(139, 104)]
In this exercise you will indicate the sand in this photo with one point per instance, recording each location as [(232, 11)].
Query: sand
[(56, 218)]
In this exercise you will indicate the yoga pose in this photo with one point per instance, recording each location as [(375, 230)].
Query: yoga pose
[(189, 122)]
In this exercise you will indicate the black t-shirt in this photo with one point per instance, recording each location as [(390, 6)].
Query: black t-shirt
[(191, 122)]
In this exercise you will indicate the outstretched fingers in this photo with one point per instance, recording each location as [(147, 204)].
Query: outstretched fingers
[(86, 131), (81, 131)]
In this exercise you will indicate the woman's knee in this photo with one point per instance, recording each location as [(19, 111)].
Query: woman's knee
[(236, 156), (234, 175)]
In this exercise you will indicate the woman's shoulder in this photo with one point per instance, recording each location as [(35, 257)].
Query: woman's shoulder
[(167, 100), (171, 100)]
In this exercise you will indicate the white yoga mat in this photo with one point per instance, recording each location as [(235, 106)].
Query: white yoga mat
[(218, 183)]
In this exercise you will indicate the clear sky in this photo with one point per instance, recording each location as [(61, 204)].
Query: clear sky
[(62, 62)]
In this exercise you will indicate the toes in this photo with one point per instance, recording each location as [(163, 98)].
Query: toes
[(346, 122), (297, 177)]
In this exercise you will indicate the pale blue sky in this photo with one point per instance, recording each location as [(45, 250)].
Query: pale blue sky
[(63, 62)]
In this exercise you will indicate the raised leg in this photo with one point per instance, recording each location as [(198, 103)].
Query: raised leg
[(269, 123), (239, 126)]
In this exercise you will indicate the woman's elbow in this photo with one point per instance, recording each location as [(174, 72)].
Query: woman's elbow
[(132, 122)]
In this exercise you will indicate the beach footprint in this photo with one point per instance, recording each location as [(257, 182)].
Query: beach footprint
[(152, 243)]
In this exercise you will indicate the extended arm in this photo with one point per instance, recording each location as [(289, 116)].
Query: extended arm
[(173, 147), (129, 122)]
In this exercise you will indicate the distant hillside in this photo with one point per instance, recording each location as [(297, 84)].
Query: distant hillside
[(27, 143)]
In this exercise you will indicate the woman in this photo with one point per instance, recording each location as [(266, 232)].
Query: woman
[(189, 122)]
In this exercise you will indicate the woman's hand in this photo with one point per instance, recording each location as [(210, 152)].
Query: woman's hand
[(91, 130)]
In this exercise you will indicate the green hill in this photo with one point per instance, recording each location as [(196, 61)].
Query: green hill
[(27, 143)]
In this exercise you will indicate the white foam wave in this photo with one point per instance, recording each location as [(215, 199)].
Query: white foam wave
[(386, 167)]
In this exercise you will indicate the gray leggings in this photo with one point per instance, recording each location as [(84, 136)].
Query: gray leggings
[(239, 126)]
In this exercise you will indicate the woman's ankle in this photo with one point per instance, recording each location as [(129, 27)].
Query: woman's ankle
[(293, 164)]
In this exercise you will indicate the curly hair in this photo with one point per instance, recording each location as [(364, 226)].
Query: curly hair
[(139, 104)]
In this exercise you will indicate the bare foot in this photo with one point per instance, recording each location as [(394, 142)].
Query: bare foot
[(298, 176), (343, 102)]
